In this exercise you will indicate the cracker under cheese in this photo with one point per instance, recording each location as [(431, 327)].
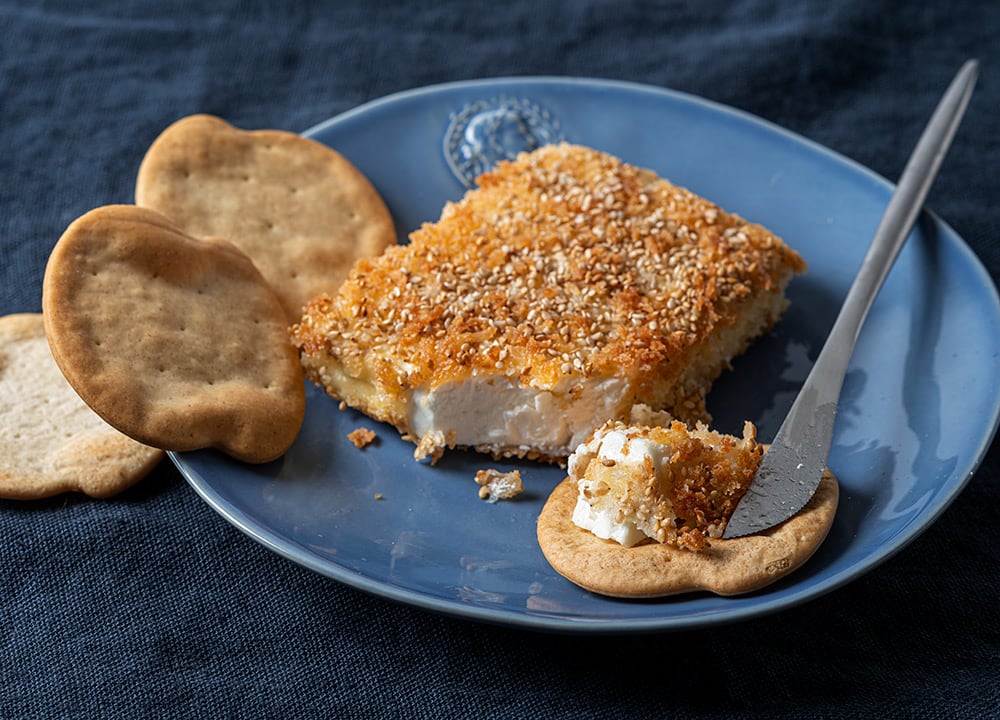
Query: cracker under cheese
[(642, 512)]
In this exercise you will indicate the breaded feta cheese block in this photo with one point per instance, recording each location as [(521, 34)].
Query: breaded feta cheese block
[(566, 288), (672, 484)]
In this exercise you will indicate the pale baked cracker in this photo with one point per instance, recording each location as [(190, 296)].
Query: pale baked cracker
[(176, 341), (728, 567), (299, 209), (50, 441)]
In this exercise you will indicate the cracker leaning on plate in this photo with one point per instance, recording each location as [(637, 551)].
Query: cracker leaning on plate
[(299, 209), (176, 341), (643, 510), (50, 441)]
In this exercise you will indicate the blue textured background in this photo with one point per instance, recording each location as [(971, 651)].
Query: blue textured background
[(151, 605)]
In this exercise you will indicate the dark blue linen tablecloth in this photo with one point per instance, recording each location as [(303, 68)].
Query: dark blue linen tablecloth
[(151, 605)]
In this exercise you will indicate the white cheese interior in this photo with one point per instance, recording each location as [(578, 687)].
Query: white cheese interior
[(501, 413), (598, 512), (601, 522)]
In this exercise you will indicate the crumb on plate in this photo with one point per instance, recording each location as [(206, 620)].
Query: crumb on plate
[(495, 485), (361, 437)]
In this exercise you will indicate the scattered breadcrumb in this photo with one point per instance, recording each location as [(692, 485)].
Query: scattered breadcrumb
[(495, 485), (431, 446), (379, 496), (361, 437)]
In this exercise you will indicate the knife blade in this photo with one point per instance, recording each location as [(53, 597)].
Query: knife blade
[(791, 469)]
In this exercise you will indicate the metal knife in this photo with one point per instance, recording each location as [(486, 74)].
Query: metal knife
[(791, 469)]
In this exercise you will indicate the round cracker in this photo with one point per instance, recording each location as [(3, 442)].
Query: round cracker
[(299, 209), (176, 341), (728, 567), (50, 441)]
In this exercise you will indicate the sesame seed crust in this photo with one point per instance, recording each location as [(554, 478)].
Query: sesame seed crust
[(564, 264)]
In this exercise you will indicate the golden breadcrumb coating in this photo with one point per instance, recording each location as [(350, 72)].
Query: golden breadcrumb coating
[(564, 264), (681, 501)]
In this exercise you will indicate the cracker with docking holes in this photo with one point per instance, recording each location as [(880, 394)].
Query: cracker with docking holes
[(50, 441), (176, 341), (606, 554), (299, 209)]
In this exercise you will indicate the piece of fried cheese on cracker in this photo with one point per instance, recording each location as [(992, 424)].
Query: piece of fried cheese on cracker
[(672, 484), (566, 288), (643, 509)]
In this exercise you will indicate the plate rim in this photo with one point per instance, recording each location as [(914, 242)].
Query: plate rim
[(573, 625)]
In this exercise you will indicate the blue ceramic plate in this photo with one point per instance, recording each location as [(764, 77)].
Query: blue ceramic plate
[(919, 405)]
